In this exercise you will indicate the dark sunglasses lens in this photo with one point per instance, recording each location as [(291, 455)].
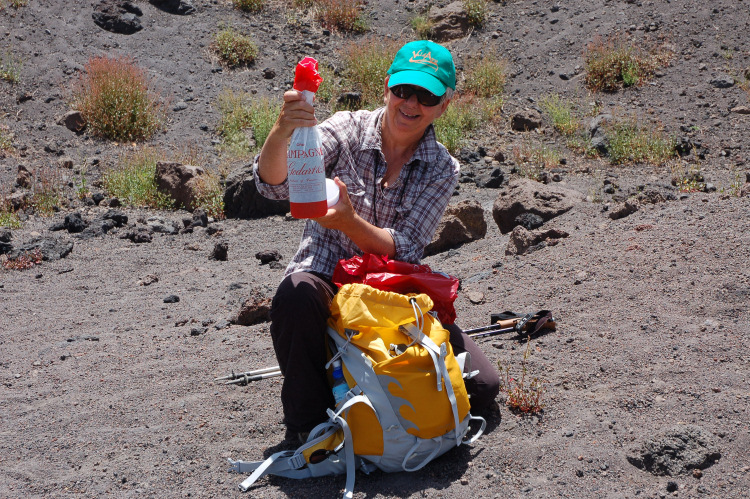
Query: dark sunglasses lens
[(427, 98), (423, 96), (402, 91)]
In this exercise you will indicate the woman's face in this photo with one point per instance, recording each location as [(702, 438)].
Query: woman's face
[(407, 117)]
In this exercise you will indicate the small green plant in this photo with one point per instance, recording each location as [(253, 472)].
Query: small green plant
[(8, 217), (564, 118), (82, 189), (342, 15), (234, 49), (687, 178), (24, 261), (422, 26), (615, 62), (16, 4), (237, 116), (210, 195), (114, 99), (453, 127), (522, 394), (47, 191), (735, 187), (10, 68), (630, 142), (133, 180), (6, 140), (487, 76), (365, 65), (743, 81), (533, 158), (249, 5), (303, 4), (464, 115), (476, 11)]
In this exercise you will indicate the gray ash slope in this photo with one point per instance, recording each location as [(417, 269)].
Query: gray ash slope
[(106, 390)]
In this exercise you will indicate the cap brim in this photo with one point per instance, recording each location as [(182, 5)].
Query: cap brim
[(418, 78)]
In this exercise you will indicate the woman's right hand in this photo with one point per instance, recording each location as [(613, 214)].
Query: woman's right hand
[(295, 113)]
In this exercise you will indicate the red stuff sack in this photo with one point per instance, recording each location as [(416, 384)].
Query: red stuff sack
[(382, 273)]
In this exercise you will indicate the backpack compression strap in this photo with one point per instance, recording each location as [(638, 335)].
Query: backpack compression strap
[(438, 355)]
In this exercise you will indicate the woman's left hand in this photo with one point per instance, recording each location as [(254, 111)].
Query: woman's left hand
[(342, 214)]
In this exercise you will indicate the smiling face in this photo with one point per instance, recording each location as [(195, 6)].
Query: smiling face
[(407, 119)]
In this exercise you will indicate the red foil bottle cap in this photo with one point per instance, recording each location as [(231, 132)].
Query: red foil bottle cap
[(306, 76)]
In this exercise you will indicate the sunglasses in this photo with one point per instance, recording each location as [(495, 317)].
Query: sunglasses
[(424, 97)]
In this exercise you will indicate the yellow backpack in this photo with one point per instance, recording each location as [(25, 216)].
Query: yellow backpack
[(406, 404)]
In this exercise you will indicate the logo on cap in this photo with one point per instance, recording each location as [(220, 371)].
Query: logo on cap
[(419, 58)]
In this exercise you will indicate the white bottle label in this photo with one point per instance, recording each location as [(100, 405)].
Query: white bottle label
[(305, 168)]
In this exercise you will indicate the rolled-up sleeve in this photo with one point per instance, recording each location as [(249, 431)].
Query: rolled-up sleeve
[(280, 191)]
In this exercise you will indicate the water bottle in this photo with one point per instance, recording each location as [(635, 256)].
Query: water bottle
[(339, 383)]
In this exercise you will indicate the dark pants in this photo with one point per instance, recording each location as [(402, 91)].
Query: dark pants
[(299, 315)]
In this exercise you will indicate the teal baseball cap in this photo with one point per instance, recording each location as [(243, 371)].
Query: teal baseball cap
[(425, 64)]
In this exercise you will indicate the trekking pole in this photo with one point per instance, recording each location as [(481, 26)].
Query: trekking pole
[(526, 325), (243, 380), (255, 375)]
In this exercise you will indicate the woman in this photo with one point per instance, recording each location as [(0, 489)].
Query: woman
[(395, 181)]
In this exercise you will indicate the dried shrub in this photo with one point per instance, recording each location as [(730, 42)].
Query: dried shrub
[(6, 140), (47, 191), (210, 195), (533, 158), (342, 15), (522, 394), (16, 4), (422, 26), (114, 99), (616, 61), (8, 217), (561, 112)]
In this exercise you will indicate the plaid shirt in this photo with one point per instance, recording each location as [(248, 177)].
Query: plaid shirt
[(409, 209)]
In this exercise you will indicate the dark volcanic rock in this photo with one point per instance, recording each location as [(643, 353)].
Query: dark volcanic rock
[(181, 7), (268, 256), (461, 223), (74, 223), (220, 251), (50, 247), (118, 16), (527, 196), (254, 310), (676, 451), (179, 181), (449, 22), (242, 199)]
